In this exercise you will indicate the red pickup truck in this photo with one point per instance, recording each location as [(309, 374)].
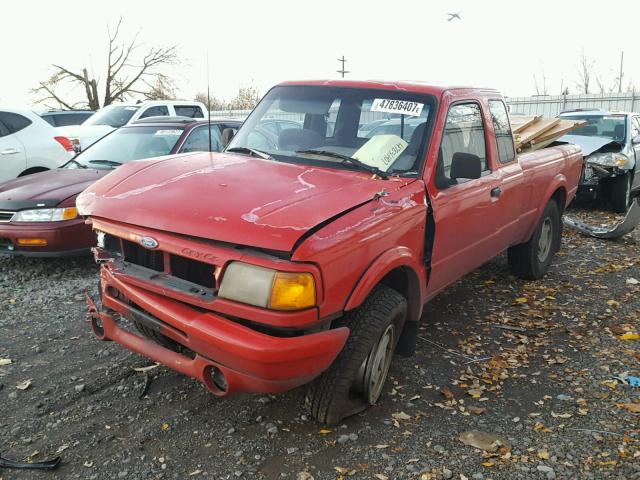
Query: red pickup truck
[(305, 252)]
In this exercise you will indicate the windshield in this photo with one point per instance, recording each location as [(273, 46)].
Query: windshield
[(341, 127), (113, 115), (126, 144), (607, 126)]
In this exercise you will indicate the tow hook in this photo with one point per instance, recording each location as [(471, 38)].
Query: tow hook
[(94, 318)]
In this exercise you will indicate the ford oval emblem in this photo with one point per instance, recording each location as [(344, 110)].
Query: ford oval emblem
[(148, 242)]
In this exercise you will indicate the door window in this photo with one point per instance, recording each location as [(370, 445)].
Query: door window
[(14, 122), (502, 130), (157, 111), (463, 133), (198, 140)]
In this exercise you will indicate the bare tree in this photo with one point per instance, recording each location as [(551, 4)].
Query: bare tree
[(162, 89), (212, 103), (543, 90), (127, 74), (585, 71), (247, 99)]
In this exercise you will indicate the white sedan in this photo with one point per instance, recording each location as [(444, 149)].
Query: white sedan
[(28, 144)]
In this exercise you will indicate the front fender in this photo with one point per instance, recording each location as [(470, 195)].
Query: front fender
[(391, 259)]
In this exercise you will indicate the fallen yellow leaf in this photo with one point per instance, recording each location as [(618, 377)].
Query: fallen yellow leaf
[(522, 300), (630, 336), (165, 427), (629, 407), (324, 431), (543, 455)]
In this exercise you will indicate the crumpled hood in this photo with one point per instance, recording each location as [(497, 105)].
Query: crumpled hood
[(230, 198), (52, 185), (87, 134), (587, 144)]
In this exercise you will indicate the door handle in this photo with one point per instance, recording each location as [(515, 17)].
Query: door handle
[(496, 192), (9, 151)]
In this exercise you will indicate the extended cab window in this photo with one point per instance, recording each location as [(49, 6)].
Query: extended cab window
[(157, 111), (502, 129), (381, 131), (463, 133), (191, 111)]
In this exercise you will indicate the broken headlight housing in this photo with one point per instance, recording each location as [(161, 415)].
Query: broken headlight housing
[(608, 159), (268, 288)]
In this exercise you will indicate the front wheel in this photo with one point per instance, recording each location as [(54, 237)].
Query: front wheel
[(531, 260), (621, 193), (356, 378)]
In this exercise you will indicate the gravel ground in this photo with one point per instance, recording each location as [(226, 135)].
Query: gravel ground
[(530, 362)]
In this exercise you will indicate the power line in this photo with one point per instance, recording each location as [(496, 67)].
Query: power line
[(342, 71)]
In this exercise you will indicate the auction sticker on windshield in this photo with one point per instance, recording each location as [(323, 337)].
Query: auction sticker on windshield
[(168, 132), (397, 106)]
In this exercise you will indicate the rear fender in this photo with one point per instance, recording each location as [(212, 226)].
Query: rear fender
[(559, 182)]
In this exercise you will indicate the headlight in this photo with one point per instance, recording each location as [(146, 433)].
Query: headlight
[(608, 159), (267, 288), (45, 215)]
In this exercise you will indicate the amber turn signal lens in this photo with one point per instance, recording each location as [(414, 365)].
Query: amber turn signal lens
[(69, 213), (292, 291), (32, 242)]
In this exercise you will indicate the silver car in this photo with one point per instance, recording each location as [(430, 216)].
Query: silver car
[(610, 143)]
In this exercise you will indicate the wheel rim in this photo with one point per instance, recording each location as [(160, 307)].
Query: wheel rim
[(545, 240), (376, 365)]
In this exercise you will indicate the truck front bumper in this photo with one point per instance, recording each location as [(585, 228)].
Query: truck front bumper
[(224, 355)]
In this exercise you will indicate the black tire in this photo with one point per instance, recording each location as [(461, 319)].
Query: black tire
[(342, 391), (620, 193), (530, 260)]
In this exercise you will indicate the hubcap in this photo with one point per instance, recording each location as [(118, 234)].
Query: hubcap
[(376, 365), (545, 240)]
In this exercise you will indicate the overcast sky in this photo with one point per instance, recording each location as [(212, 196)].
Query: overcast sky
[(500, 44)]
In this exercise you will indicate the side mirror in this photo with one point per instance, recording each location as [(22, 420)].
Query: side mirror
[(465, 165), (636, 140), (227, 135)]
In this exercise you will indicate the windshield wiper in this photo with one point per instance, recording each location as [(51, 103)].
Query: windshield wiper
[(251, 151), (112, 163), (80, 165), (345, 158)]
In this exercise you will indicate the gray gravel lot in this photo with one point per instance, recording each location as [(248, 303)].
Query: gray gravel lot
[(531, 361)]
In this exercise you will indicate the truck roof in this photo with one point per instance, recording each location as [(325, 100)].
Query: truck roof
[(433, 88)]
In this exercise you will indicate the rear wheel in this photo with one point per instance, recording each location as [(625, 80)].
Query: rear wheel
[(531, 260), (620, 193), (356, 378)]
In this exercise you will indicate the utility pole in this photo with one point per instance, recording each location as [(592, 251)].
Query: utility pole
[(342, 70), (620, 77)]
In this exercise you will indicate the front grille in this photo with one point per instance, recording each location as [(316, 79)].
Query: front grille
[(6, 216), (134, 253), (193, 271)]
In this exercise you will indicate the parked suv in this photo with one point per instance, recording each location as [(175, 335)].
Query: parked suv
[(64, 118), (610, 143), (118, 114)]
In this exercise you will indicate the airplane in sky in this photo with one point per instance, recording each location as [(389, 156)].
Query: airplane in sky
[(453, 16)]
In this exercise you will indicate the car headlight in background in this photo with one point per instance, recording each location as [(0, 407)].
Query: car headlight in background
[(268, 288), (45, 215), (608, 159)]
